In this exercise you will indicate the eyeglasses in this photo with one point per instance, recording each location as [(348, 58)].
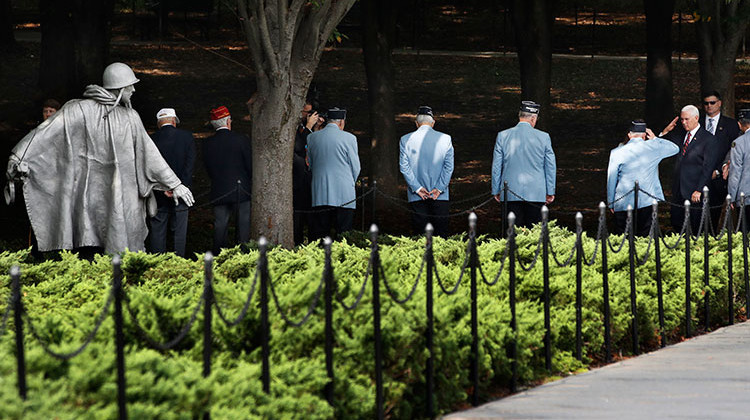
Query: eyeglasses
[(709, 102)]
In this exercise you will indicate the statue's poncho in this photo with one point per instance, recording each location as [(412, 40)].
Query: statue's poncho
[(91, 169)]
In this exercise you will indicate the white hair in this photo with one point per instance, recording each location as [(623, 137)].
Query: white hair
[(425, 119), (221, 122), (524, 114), (691, 109), (333, 121)]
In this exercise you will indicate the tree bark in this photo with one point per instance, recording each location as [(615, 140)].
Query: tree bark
[(659, 94), (7, 40), (379, 24), (532, 25), (720, 26), (75, 45), (286, 39)]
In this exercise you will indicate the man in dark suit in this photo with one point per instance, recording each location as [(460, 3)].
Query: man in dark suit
[(229, 163), (726, 130), (178, 149), (301, 175), (696, 161)]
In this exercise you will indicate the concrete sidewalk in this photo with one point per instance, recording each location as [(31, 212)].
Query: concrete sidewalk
[(707, 377)]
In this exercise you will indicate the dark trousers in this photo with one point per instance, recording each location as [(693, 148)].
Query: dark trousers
[(527, 213), (222, 213), (300, 221), (643, 224), (431, 211), (717, 196), (677, 216), (339, 218), (160, 227)]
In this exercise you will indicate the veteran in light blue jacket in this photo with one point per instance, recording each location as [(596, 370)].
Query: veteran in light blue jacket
[(334, 163), (426, 161), (637, 160), (739, 162), (524, 159)]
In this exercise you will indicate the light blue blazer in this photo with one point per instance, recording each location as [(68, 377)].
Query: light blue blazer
[(524, 158), (739, 168), (636, 161), (334, 162), (426, 160)]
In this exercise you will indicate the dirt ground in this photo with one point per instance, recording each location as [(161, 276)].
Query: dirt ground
[(473, 96)]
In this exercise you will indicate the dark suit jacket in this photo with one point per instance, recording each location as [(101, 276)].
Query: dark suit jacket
[(178, 149), (228, 158), (726, 131), (693, 170), (302, 177)]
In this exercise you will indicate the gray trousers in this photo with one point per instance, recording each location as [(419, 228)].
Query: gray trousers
[(222, 213), (160, 226)]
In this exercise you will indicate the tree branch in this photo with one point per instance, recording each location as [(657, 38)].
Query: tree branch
[(252, 38), (265, 37)]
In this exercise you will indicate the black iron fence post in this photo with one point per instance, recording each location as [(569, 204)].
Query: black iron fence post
[(265, 329), (512, 298), (605, 284), (579, 287), (545, 279), (636, 190), (707, 291), (505, 208), (328, 268), (430, 386), (688, 240), (15, 275), (730, 286), (374, 200), (474, 321), (657, 258), (208, 276), (375, 256), (119, 338), (631, 263)]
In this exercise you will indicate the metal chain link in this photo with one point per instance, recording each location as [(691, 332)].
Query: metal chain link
[(682, 234), (245, 307), (370, 191), (361, 293), (502, 266), (454, 214), (599, 231), (570, 257), (536, 254), (413, 289), (460, 277), (618, 248), (310, 309), (86, 342), (180, 336)]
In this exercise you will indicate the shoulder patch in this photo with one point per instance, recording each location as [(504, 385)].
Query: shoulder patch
[(734, 144)]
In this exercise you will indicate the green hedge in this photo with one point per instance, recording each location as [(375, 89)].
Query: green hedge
[(64, 297)]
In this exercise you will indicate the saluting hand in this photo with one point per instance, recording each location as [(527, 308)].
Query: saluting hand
[(670, 126)]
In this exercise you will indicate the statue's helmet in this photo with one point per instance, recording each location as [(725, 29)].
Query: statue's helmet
[(118, 76)]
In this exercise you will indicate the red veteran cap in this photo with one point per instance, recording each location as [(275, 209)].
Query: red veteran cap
[(219, 113)]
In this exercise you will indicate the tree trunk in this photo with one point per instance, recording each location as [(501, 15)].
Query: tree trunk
[(7, 40), (720, 27), (659, 97), (75, 45), (286, 40), (379, 24), (532, 25)]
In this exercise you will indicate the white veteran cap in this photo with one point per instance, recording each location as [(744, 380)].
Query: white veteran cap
[(167, 113)]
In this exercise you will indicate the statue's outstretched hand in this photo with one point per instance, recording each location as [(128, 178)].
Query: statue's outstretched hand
[(183, 192)]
